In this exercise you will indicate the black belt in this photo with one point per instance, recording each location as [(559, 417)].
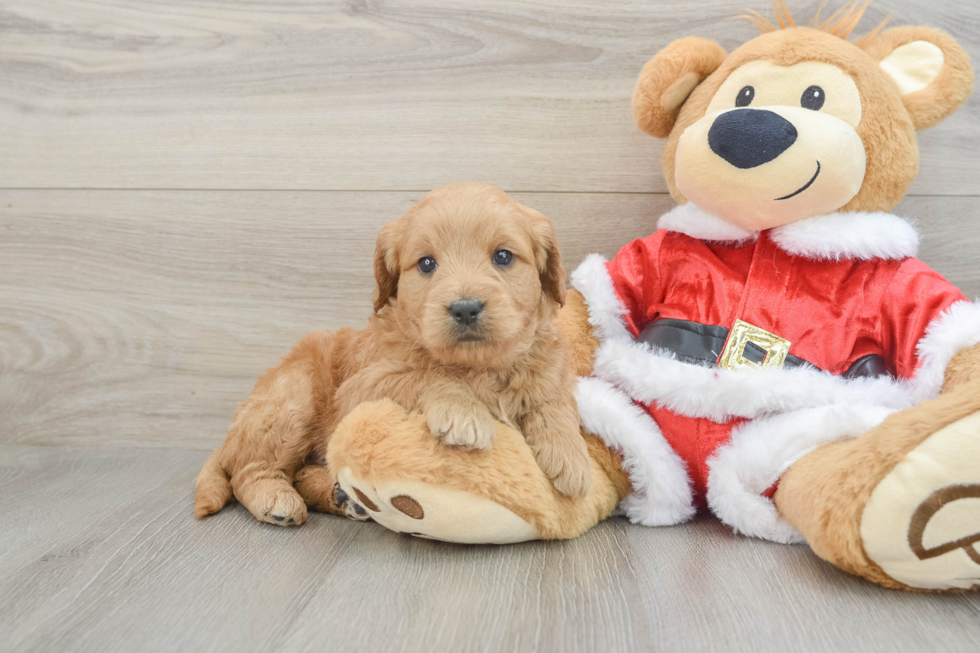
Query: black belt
[(702, 344)]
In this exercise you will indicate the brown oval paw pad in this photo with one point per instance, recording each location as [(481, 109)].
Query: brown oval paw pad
[(367, 502), (408, 505)]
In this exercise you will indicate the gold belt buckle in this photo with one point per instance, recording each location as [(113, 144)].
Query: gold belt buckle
[(733, 355)]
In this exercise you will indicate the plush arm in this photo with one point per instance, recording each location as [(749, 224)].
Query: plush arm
[(964, 367), (929, 331), (619, 293)]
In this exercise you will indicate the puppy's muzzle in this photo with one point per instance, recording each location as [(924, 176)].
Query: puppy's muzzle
[(466, 312), (747, 138)]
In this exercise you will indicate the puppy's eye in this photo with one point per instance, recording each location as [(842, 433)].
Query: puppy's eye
[(745, 96), (503, 258), (427, 265), (813, 98)]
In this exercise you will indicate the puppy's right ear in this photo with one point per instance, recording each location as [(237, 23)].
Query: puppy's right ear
[(386, 263), (547, 257), (669, 78)]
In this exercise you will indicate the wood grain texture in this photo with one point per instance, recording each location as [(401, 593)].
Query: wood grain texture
[(365, 94), (143, 318), (128, 568), (134, 318)]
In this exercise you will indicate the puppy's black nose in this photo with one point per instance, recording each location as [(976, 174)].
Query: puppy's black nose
[(466, 311), (747, 138)]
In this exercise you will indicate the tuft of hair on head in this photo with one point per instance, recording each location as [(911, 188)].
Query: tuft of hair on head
[(841, 23)]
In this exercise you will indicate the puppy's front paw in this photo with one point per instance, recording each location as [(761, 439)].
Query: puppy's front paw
[(573, 481), (462, 425), (568, 468)]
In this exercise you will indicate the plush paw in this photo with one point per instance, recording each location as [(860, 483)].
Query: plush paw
[(436, 512), (568, 467), (459, 425), (921, 525), (283, 508)]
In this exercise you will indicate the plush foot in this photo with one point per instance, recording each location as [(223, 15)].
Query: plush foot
[(899, 505), (435, 512), (389, 463), (921, 525)]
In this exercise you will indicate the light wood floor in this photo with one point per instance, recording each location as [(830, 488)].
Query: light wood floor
[(188, 186)]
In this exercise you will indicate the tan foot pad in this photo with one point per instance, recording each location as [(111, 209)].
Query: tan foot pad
[(437, 513), (922, 522)]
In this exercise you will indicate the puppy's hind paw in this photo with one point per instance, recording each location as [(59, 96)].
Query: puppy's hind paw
[(285, 509), (350, 508)]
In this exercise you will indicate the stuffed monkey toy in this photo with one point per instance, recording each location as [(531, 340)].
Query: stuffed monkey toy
[(774, 353)]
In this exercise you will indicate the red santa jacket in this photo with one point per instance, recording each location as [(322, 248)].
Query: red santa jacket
[(837, 288)]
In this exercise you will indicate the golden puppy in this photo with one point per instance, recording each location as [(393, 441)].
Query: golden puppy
[(468, 282)]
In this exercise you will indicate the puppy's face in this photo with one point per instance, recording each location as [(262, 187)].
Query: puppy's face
[(470, 273)]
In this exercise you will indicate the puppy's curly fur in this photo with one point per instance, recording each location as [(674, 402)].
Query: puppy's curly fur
[(507, 363)]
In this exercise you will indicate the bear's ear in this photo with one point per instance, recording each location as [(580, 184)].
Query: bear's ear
[(932, 71), (669, 78)]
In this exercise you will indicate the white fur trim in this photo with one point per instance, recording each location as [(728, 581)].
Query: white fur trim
[(662, 493), (762, 450), (839, 236), (692, 221), (832, 237), (651, 375), (592, 279), (957, 328)]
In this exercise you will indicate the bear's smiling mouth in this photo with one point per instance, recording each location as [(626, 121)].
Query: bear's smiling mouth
[(805, 186)]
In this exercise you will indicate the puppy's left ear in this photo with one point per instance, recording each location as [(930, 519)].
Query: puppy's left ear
[(932, 71), (547, 258), (386, 263)]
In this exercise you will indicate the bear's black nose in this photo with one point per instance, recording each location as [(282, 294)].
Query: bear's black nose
[(747, 138), (466, 311)]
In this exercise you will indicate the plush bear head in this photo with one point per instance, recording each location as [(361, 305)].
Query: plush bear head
[(799, 121)]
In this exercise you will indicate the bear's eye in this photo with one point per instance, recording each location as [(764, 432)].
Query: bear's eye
[(427, 265), (502, 258), (745, 96), (813, 98)]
